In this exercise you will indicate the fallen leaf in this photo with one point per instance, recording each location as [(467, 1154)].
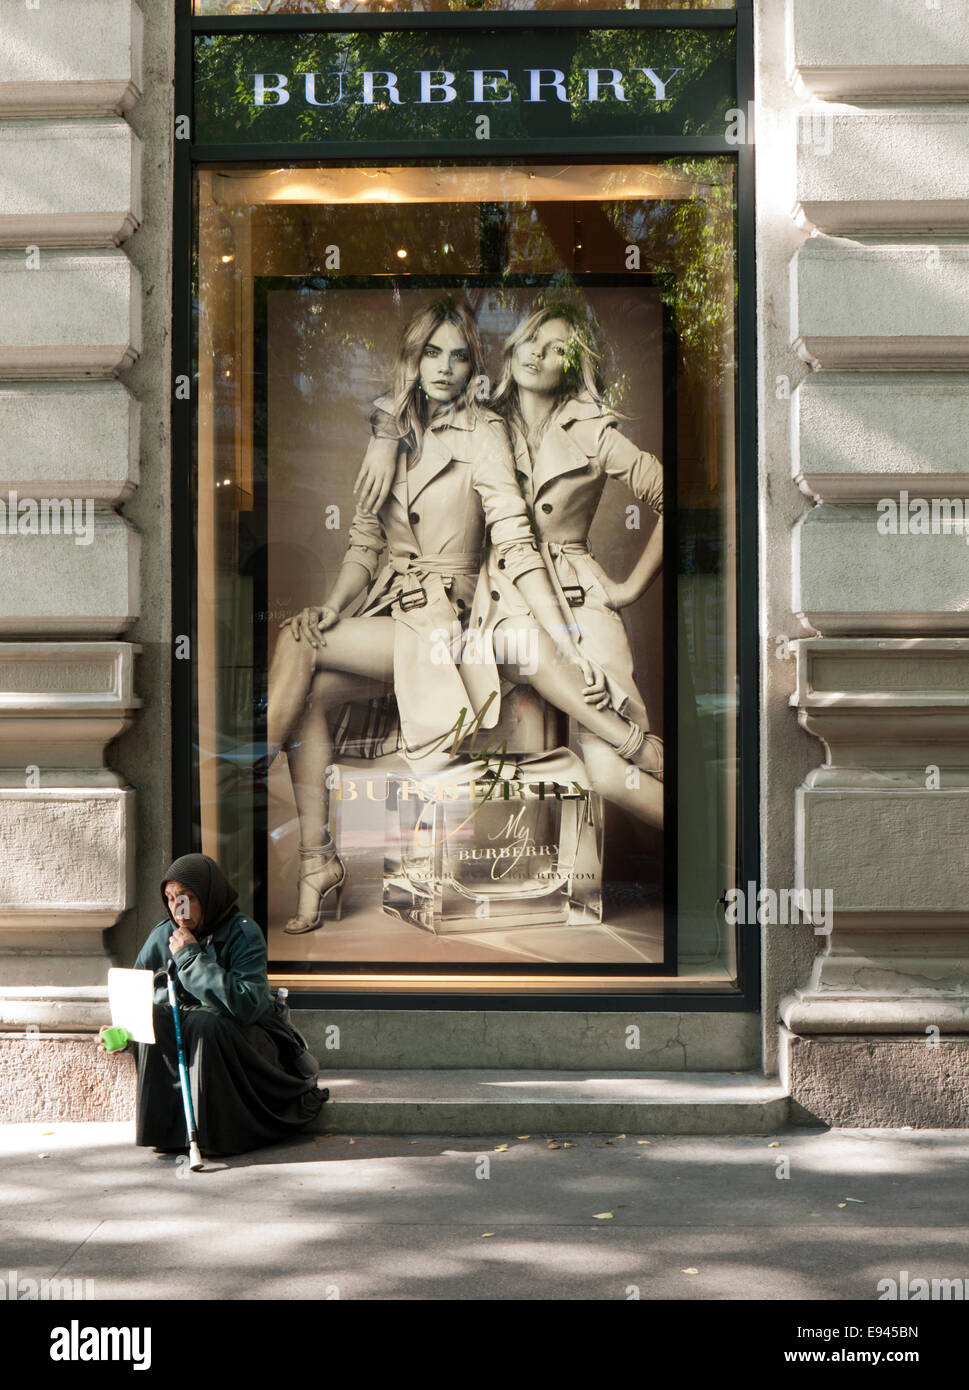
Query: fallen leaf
[(486, 1234), (43, 1155), (842, 1204), (413, 1141), (859, 1200), (523, 1136), (602, 1216), (45, 1132), (567, 1145), (691, 1270), (644, 1141), (774, 1145), (351, 1141), (620, 1136), (608, 1141), (501, 1148), (554, 1146)]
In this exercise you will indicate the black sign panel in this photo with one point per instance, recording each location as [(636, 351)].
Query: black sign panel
[(408, 87)]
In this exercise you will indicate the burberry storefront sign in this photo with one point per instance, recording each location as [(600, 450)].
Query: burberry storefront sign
[(483, 84), (325, 86)]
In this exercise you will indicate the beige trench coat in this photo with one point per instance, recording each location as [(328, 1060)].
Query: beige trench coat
[(563, 485), (433, 527)]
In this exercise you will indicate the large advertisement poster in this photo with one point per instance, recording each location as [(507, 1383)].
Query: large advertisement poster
[(460, 609)]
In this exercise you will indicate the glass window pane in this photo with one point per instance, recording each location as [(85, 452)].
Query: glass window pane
[(581, 376), (270, 7), (398, 88)]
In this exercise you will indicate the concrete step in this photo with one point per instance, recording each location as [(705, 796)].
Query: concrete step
[(460, 1102), (533, 1039)]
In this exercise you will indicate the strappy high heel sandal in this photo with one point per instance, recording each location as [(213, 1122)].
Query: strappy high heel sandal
[(330, 896), (634, 746)]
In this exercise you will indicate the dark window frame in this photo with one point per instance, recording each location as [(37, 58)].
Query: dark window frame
[(744, 994)]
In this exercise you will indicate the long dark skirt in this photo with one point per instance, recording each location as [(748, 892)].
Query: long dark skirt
[(243, 1097)]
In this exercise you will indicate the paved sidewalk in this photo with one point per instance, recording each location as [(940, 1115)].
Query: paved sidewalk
[(392, 1217)]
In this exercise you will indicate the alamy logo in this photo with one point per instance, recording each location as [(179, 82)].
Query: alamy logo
[(48, 516), (17, 1288), (922, 516), (771, 908), (914, 1290), (455, 645), (76, 1343)]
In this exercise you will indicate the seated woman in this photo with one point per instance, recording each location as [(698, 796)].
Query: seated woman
[(567, 444), (245, 1090)]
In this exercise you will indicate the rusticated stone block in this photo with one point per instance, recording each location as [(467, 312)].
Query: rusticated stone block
[(90, 586), (850, 577), (861, 306), (880, 1082), (46, 1076), (883, 171), (69, 182), (78, 57), (862, 435), (76, 438), (67, 856), (68, 313), (893, 850), (853, 48)]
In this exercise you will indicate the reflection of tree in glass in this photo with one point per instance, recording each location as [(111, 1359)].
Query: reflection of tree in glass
[(693, 238), (698, 95), (264, 7)]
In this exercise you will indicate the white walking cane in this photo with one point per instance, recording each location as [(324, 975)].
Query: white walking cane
[(194, 1153)]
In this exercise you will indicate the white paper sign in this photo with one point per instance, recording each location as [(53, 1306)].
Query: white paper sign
[(130, 994)]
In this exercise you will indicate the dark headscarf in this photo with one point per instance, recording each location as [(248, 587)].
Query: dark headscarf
[(208, 883)]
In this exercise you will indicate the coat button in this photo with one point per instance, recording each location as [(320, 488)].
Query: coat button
[(412, 555), (495, 595), (501, 564), (461, 603), (546, 507), (413, 518)]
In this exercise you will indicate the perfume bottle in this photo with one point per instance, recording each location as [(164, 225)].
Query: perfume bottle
[(488, 850)]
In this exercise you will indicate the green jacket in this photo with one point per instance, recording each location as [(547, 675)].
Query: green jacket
[(225, 970)]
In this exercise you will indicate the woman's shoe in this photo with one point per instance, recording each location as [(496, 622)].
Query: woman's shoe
[(328, 894)]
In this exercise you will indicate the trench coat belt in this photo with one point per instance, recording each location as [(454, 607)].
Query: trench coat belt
[(458, 562), (550, 550), (455, 562)]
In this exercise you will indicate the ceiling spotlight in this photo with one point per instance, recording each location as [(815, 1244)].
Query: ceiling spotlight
[(401, 254), (227, 259)]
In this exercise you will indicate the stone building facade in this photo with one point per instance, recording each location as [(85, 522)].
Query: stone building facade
[(862, 197)]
